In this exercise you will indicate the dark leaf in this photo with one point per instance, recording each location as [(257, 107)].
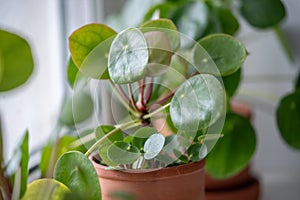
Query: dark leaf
[(232, 152), (288, 118), (262, 13)]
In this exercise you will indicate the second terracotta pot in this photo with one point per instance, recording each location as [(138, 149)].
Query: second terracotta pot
[(183, 182)]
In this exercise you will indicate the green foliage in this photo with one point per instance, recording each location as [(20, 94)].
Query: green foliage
[(123, 153), (101, 132), (201, 95), (52, 152), (76, 109), (128, 57), (17, 168), (141, 136), (228, 21), (83, 41), (263, 13), (231, 82), (72, 72), (153, 146), (74, 170), (227, 52), (48, 189), (288, 118), (232, 152), (194, 151), (14, 72)]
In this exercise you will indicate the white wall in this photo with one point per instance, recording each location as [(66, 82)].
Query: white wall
[(35, 105)]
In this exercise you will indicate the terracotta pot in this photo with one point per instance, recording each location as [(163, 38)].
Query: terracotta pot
[(248, 191), (183, 182), (241, 178)]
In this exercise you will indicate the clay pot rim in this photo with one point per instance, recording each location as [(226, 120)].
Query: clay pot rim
[(146, 175)]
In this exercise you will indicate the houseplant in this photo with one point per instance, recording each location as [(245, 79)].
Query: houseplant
[(141, 64)]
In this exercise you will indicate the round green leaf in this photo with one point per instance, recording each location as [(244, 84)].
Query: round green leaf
[(166, 26), (198, 103), (128, 57), (49, 189), (76, 171), (153, 145), (141, 135), (262, 13), (123, 153), (16, 61), (288, 118), (87, 41), (232, 152), (228, 21), (104, 156), (227, 52), (101, 131), (231, 82)]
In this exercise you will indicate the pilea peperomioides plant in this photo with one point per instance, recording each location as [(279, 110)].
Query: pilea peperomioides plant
[(168, 100)]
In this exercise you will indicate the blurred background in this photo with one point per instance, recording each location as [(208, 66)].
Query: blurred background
[(46, 25)]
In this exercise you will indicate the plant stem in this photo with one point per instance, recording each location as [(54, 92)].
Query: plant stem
[(132, 98), (141, 101), (149, 91), (4, 185), (83, 140), (156, 111), (210, 136), (117, 92), (122, 93), (126, 125), (165, 99)]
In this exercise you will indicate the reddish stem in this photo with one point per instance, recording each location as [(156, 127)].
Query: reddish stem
[(141, 102), (149, 91), (165, 99), (133, 103)]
